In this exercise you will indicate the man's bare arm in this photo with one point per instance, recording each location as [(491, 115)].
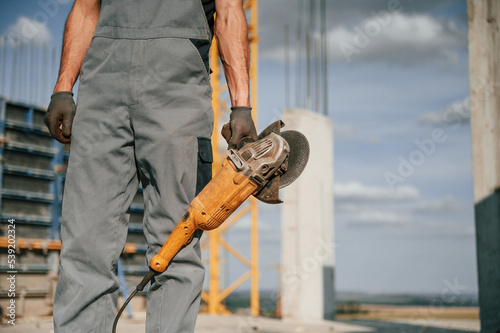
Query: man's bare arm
[(78, 32), (231, 33), (80, 27)]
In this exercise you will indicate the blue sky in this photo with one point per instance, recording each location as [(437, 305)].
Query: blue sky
[(410, 81), (406, 83)]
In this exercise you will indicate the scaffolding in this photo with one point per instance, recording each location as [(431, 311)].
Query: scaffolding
[(215, 295)]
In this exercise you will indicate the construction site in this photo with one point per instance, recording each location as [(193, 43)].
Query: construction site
[(300, 292)]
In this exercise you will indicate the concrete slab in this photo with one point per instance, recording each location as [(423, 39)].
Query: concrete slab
[(244, 324), (205, 324), (380, 326), (455, 324)]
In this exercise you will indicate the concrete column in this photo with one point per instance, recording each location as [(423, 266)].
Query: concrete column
[(484, 67), (307, 265)]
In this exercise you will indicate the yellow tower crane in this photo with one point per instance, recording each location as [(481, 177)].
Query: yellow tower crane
[(215, 295)]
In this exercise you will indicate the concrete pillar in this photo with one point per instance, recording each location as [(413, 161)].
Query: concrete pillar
[(307, 265), (484, 68)]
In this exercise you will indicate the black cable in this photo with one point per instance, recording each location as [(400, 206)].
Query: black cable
[(123, 308), (139, 287)]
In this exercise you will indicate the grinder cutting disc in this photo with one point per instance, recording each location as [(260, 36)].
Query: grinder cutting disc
[(298, 157)]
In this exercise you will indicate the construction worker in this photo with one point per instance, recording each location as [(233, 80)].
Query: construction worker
[(143, 114)]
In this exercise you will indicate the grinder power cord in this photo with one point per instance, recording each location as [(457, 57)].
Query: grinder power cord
[(258, 168)]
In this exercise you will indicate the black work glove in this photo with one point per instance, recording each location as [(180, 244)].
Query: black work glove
[(60, 111), (240, 125)]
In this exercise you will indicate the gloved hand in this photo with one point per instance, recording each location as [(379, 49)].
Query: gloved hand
[(239, 126), (60, 111)]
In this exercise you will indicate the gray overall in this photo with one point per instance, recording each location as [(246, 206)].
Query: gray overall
[(144, 113)]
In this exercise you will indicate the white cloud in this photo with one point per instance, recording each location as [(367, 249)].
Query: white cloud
[(398, 38), (455, 113), (447, 205), (348, 132), (358, 192), (455, 231), (379, 217), (27, 30)]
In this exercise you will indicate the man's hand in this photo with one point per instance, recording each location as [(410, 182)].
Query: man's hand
[(59, 116), (240, 125)]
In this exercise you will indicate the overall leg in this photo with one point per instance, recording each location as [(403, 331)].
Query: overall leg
[(100, 184), (173, 125)]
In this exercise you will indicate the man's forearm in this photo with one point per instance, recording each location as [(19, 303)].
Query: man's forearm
[(231, 32), (78, 32)]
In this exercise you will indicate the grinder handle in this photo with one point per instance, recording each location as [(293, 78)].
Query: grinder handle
[(180, 236), (211, 207)]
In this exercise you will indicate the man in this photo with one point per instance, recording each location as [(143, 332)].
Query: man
[(144, 113)]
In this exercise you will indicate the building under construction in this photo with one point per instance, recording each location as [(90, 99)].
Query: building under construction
[(32, 172)]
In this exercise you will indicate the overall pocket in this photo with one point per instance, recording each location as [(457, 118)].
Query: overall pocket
[(205, 159)]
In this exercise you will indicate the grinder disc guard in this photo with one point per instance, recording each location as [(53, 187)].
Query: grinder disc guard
[(297, 161)]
